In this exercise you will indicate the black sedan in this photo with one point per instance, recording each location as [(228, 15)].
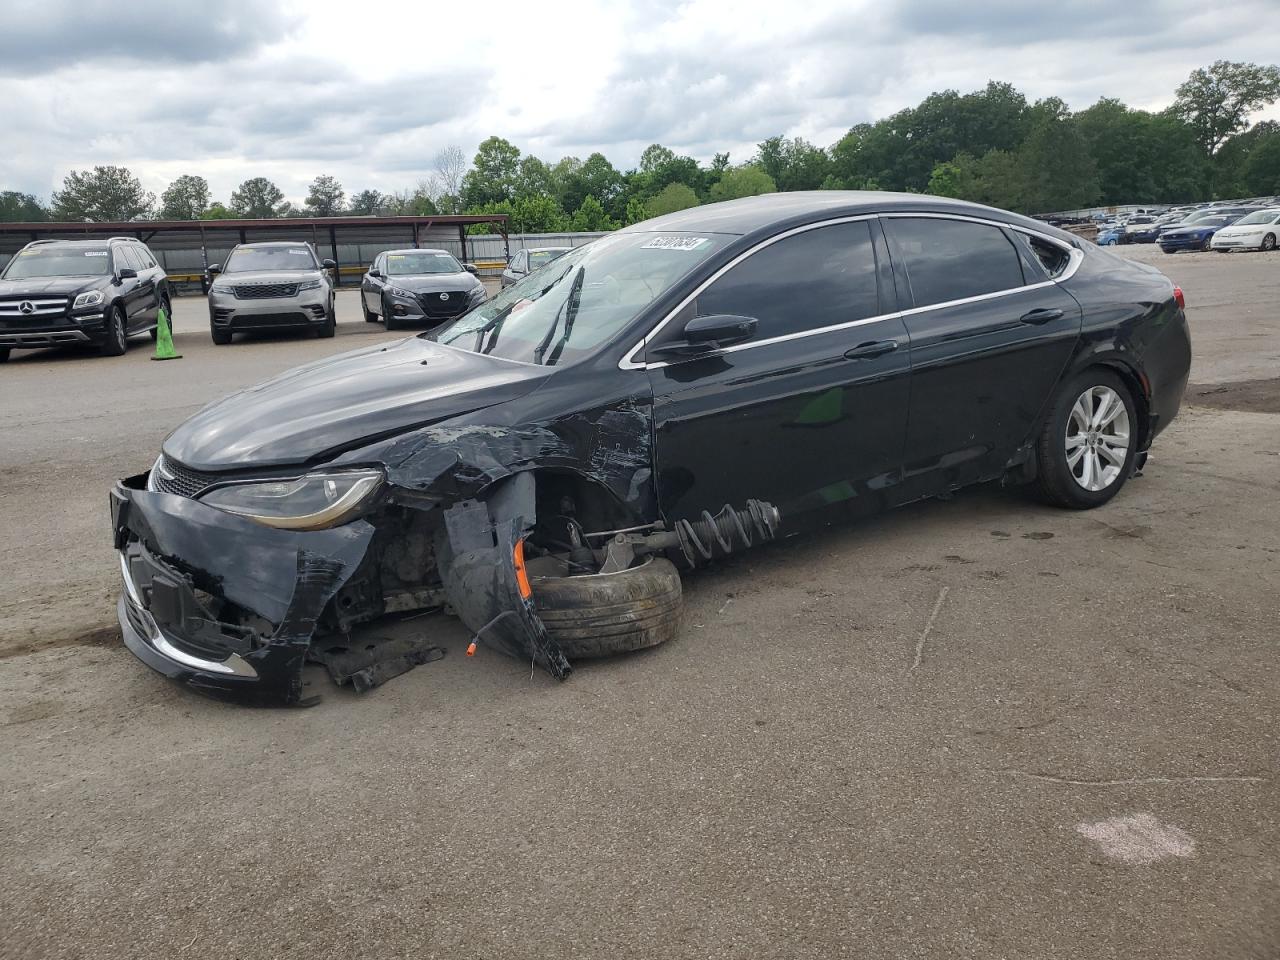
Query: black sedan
[(424, 287), (688, 387)]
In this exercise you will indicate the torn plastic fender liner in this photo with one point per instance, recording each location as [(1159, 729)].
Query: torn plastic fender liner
[(283, 577), (477, 564)]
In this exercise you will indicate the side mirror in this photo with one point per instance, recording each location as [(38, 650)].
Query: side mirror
[(377, 274), (471, 268), (215, 269), (707, 334), (127, 273), (328, 264)]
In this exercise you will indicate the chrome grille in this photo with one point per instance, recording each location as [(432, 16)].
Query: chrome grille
[(39, 306), (265, 291), (169, 476)]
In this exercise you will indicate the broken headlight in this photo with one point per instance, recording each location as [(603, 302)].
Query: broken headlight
[(313, 502)]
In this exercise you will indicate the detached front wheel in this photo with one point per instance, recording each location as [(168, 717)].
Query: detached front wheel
[(1086, 448), (609, 613)]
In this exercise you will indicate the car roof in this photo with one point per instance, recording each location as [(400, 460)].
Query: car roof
[(418, 250), (751, 214), (545, 249), (276, 243)]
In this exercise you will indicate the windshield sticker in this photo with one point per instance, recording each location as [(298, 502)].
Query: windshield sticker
[(395, 256), (676, 243), (95, 253), (300, 253)]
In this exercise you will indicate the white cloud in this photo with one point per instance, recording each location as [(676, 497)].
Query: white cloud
[(239, 89)]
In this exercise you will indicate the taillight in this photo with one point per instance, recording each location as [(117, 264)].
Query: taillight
[(1179, 298)]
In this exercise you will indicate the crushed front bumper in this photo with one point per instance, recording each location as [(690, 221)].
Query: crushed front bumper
[(221, 602)]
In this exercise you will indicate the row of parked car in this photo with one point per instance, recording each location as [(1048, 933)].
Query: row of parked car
[(100, 293), (1232, 225)]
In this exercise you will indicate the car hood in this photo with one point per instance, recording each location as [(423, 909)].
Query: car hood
[(268, 276), (434, 282), (46, 285), (314, 412), (1243, 230)]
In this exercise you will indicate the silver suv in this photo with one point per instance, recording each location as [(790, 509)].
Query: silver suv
[(280, 285)]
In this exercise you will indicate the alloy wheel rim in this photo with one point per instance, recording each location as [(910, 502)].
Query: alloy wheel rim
[(1097, 438)]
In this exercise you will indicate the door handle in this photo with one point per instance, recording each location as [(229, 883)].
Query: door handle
[(873, 348), (1041, 315)]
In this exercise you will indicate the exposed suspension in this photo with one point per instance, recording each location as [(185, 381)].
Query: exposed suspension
[(714, 535)]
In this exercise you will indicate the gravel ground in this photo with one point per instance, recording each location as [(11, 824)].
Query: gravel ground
[(974, 728)]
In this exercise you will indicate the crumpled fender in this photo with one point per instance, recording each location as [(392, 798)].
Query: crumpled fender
[(477, 558)]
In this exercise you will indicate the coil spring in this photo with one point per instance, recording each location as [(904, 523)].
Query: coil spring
[(727, 530)]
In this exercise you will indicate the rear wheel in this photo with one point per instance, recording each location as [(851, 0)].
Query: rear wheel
[(1086, 448), (1269, 242), (115, 343), (609, 613)]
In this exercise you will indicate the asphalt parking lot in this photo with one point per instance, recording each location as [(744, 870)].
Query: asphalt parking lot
[(972, 728)]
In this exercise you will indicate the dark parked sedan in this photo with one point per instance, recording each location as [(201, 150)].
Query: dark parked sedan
[(685, 388), (1196, 236), (424, 287), (527, 261)]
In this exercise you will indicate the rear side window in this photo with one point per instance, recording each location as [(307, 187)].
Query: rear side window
[(1052, 257), (954, 259), (125, 257), (815, 279), (144, 254)]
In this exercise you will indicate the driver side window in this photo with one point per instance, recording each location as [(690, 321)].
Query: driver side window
[(810, 280)]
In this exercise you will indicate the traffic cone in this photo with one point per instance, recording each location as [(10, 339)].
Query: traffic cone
[(164, 339)]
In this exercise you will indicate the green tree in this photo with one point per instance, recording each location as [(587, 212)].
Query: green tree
[(498, 206), (101, 195), (635, 212), (1217, 100), (534, 178), (492, 178), (217, 211), (259, 199), (325, 197), (954, 178), (595, 177), (1057, 170), (538, 213), (185, 199), (1262, 169), (366, 203), (673, 197), (18, 207), (591, 217), (793, 164), (654, 156), (745, 181)]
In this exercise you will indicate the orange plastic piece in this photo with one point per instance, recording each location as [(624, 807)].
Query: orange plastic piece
[(522, 576), (471, 649)]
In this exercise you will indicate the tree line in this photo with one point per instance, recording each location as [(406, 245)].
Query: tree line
[(991, 145)]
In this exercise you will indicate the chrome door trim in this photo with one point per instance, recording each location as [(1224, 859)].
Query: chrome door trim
[(1076, 257)]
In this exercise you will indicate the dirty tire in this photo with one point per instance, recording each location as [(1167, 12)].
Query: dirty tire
[(116, 341), (605, 614), (1056, 482)]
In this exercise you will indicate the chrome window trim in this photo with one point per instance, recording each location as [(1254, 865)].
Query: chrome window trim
[(1075, 255)]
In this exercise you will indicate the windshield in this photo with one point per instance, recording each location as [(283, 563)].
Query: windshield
[(540, 258), (1259, 216), (246, 259), (51, 261), (420, 262), (562, 313)]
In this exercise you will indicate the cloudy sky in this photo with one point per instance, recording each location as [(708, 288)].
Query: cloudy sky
[(243, 88)]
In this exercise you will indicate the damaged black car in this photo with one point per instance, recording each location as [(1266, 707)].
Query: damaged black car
[(544, 466)]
